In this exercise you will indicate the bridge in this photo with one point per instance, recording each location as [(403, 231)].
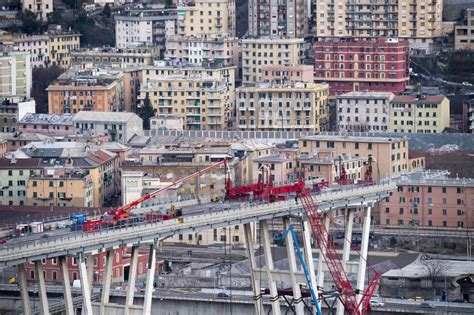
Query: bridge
[(85, 245)]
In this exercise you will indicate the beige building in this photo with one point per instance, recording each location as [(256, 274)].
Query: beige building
[(88, 89), (63, 188), (424, 114), (15, 74), (130, 56), (464, 32), (260, 52), (418, 21), (207, 18), (39, 7), (60, 46), (390, 154), (36, 45), (298, 106)]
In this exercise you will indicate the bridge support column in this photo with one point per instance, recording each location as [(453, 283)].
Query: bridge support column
[(107, 279), (90, 270), (346, 250), (308, 254), (42, 287), (321, 262), (66, 286), (86, 289), (363, 252), (269, 262), (257, 296), (132, 276), (25, 298), (150, 277), (297, 300)]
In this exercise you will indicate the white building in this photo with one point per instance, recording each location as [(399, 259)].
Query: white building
[(120, 127), (166, 122), (40, 7), (15, 74), (363, 111), (37, 46)]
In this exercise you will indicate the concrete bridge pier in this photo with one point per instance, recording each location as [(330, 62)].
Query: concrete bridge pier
[(25, 298), (41, 287), (106, 281), (257, 296), (321, 262), (346, 250), (308, 254), (297, 299), (363, 252), (66, 286), (132, 276), (85, 286), (270, 268), (150, 276)]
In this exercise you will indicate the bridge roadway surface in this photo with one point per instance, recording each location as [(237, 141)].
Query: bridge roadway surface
[(73, 243)]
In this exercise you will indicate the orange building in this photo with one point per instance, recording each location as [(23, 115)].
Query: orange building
[(88, 90)]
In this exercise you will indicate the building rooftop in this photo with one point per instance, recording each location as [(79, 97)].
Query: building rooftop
[(23, 136), (292, 86), (273, 159), (352, 138), (370, 95), (47, 119), (424, 99), (432, 178), (106, 117)]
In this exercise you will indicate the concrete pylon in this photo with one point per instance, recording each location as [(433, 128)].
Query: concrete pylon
[(107, 279), (363, 252), (297, 299), (66, 286), (346, 250), (257, 297), (150, 277), (132, 276), (25, 298), (41, 287), (269, 262), (90, 269), (85, 286), (321, 262), (308, 254)]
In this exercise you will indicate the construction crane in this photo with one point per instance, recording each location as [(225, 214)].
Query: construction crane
[(334, 264), (303, 264)]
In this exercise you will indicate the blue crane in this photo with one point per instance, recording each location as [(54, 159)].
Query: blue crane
[(282, 236)]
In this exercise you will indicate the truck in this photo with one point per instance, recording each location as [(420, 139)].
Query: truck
[(77, 221)]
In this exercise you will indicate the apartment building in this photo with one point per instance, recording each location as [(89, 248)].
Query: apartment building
[(15, 74), (288, 73), (50, 124), (201, 51), (64, 188), (88, 90), (61, 43), (267, 106), (144, 27), (206, 18), (379, 65), (120, 127), (11, 112), (419, 114), (418, 21), (260, 52), (464, 31), (36, 45), (430, 200), (16, 168), (287, 18), (363, 111), (390, 154), (17, 139), (41, 8), (120, 57)]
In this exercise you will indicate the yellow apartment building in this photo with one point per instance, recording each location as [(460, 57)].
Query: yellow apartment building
[(260, 52), (390, 154), (60, 46), (424, 114), (292, 107)]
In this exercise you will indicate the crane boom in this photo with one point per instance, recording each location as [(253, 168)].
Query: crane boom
[(138, 201)]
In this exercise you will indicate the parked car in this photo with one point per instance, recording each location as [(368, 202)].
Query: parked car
[(222, 295), (426, 305), (375, 302)]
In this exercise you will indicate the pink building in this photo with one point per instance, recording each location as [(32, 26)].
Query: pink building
[(288, 73), (121, 266), (430, 199), (367, 65), (49, 124)]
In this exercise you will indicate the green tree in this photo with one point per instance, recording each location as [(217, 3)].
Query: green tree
[(106, 11), (29, 23), (42, 77), (145, 111)]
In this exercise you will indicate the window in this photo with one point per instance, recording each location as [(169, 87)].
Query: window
[(401, 210), (460, 212), (400, 222), (74, 261), (459, 189), (430, 223), (387, 221), (55, 275), (180, 237), (445, 223), (430, 211), (190, 237), (445, 201), (387, 210), (459, 201), (445, 212), (430, 190), (32, 274), (444, 190)]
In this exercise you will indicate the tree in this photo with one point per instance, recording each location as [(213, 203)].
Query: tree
[(145, 111), (107, 12), (435, 269), (42, 77), (29, 23)]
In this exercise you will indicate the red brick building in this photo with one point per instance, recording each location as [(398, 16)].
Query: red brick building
[(380, 65), (52, 268)]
